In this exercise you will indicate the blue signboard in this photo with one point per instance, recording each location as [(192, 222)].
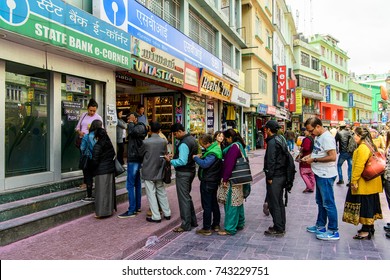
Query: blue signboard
[(384, 118), (350, 99), (137, 20), (262, 109), (327, 93)]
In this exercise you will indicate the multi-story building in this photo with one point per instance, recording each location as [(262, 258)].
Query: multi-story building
[(360, 102), (379, 85), (334, 79), (283, 58), (308, 75), (258, 67)]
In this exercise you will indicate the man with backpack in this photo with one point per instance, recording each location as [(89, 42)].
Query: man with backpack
[(343, 138), (275, 169)]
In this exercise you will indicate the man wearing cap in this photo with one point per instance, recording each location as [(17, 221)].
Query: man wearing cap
[(342, 137), (275, 169)]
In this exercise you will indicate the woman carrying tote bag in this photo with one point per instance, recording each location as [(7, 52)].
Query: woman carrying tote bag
[(362, 203), (232, 195)]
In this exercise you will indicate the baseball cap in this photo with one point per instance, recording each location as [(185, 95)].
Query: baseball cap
[(272, 124)]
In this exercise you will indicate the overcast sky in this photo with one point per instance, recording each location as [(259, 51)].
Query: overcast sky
[(362, 28)]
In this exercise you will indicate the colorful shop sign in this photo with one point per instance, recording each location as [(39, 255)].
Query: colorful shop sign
[(137, 20), (150, 62), (62, 25), (214, 86)]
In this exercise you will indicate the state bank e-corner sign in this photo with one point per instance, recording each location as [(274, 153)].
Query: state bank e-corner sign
[(60, 24)]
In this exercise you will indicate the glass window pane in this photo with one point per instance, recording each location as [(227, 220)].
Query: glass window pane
[(26, 122)]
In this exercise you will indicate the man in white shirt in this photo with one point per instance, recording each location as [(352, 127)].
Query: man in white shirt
[(323, 164)]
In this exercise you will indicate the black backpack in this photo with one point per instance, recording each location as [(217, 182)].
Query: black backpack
[(351, 145), (291, 170)]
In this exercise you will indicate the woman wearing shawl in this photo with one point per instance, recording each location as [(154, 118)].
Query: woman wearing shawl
[(209, 174), (233, 194)]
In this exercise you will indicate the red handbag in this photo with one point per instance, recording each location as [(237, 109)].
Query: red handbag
[(375, 165)]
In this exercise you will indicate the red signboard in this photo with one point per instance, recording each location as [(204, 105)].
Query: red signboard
[(282, 86)]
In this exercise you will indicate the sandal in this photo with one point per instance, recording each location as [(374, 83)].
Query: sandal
[(224, 232)]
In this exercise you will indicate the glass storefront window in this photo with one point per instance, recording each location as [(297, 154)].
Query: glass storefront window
[(26, 120), (75, 95)]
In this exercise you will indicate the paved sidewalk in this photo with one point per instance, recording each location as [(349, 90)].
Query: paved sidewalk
[(296, 244), (88, 238)]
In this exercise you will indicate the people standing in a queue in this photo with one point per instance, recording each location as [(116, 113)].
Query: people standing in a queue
[(364, 193), (305, 168), (184, 165), (104, 170), (275, 169), (153, 151), (386, 179), (233, 194), (86, 148), (209, 174), (323, 164), (120, 136), (136, 134), (85, 121), (342, 137)]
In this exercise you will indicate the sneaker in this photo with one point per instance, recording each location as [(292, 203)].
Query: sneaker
[(328, 235), (205, 232), (340, 182), (88, 199), (316, 230), (216, 228), (126, 215)]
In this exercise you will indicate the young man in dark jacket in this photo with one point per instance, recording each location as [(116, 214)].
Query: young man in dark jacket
[(136, 134), (209, 173), (275, 169)]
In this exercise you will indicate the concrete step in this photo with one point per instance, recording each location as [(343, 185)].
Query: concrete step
[(26, 217), (15, 229)]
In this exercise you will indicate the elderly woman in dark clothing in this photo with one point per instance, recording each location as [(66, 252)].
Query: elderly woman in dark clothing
[(234, 196), (104, 168)]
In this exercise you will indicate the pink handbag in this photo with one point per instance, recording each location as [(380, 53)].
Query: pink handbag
[(375, 165)]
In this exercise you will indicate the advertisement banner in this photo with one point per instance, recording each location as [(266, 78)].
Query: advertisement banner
[(134, 18), (282, 86), (292, 105), (214, 86), (150, 62), (350, 100), (62, 25), (327, 93), (298, 99)]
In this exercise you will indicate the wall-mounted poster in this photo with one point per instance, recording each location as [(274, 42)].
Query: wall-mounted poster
[(74, 84)]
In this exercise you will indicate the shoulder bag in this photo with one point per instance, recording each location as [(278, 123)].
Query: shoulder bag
[(118, 167), (241, 172), (167, 173), (375, 165)]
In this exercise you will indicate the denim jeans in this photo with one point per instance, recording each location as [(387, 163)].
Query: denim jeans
[(208, 194), (290, 144), (133, 186), (344, 156), (326, 204)]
